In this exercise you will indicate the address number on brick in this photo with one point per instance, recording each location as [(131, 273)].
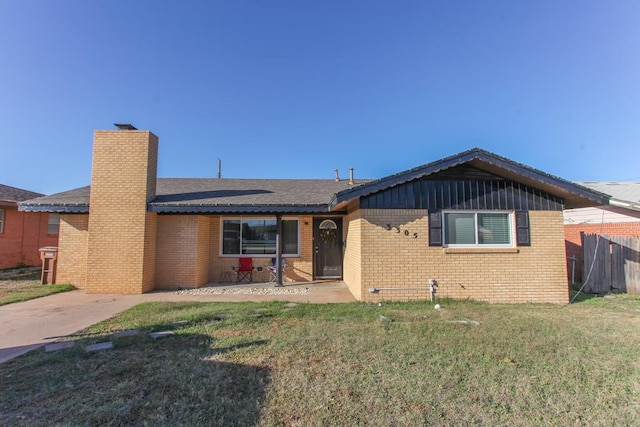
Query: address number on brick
[(399, 231)]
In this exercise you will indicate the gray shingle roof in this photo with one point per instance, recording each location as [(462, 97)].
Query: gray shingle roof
[(623, 194), (210, 195), (72, 201), (13, 194), (629, 191)]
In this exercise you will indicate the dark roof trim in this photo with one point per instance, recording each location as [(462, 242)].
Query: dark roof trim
[(466, 157), (53, 208), (233, 209), (83, 209)]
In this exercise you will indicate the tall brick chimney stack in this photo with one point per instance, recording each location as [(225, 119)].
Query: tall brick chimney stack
[(121, 234)]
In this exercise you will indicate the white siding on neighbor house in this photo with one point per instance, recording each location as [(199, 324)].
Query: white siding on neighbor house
[(612, 214)]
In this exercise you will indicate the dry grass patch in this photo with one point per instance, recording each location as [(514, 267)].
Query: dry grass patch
[(348, 364)]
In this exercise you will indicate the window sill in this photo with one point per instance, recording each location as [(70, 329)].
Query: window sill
[(481, 250), (263, 256)]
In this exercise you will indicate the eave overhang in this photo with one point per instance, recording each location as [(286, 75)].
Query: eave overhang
[(8, 203), (54, 208), (238, 209), (190, 209)]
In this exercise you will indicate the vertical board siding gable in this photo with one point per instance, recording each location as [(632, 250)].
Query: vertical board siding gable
[(462, 195)]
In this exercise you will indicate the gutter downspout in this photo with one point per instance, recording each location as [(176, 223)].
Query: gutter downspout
[(624, 204)]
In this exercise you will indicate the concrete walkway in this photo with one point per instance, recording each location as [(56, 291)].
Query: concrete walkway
[(28, 325)]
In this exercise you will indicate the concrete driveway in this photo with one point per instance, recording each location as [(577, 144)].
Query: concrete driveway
[(31, 324)]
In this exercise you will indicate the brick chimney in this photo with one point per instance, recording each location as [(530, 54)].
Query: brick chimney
[(122, 234)]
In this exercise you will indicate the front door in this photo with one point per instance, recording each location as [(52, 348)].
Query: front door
[(327, 240)]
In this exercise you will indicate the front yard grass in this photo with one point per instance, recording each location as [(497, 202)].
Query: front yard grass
[(343, 364), (17, 286)]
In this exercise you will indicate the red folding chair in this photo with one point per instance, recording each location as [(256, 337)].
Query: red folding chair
[(244, 270)]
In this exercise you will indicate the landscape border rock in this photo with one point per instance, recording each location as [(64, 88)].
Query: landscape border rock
[(243, 291)]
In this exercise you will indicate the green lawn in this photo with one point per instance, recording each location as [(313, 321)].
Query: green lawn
[(344, 364), (22, 290)]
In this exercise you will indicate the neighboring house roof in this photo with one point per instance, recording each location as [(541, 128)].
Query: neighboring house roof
[(623, 194), (211, 195), (574, 194), (12, 195)]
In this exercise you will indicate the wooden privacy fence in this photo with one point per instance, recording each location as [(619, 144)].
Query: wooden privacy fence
[(617, 264)]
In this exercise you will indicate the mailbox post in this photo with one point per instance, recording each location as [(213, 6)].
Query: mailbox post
[(48, 255)]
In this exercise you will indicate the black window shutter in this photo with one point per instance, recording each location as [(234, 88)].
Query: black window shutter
[(435, 229), (523, 237)]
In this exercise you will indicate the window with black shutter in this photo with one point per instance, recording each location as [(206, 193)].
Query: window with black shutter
[(523, 237)]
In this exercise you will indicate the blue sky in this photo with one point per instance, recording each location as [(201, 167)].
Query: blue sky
[(296, 89)]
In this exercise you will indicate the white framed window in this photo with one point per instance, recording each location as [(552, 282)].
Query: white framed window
[(53, 224), (257, 237), (478, 229), (1, 221)]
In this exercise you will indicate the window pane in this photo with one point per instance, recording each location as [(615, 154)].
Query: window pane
[(259, 237), (231, 237), (290, 237), (460, 229), (493, 228), (1, 221), (53, 226)]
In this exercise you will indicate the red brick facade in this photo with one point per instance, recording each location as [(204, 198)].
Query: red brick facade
[(23, 233)]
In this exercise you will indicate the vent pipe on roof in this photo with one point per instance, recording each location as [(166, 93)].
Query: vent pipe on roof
[(337, 176), (219, 168), (350, 176)]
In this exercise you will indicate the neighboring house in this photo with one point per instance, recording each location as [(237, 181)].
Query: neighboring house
[(475, 224), (22, 233), (621, 217)]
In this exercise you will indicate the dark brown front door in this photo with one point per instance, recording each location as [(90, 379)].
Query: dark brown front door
[(327, 240)]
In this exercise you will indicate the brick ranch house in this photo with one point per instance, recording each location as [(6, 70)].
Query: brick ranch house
[(22, 233), (621, 218), (481, 226)]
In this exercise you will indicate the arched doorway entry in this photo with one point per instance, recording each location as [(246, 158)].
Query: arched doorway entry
[(327, 238)]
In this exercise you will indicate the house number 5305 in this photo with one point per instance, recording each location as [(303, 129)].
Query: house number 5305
[(405, 232)]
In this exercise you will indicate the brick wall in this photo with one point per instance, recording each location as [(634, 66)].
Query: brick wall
[(149, 252), (300, 269), (121, 241), (203, 246), (352, 263), (182, 259), (24, 233), (72, 254), (573, 239), (392, 259)]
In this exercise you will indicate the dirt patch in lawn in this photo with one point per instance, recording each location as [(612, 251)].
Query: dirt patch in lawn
[(20, 274)]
